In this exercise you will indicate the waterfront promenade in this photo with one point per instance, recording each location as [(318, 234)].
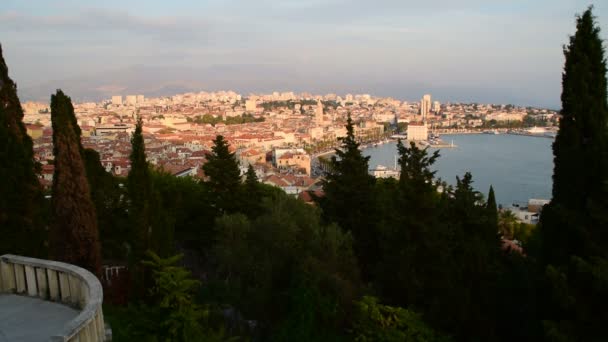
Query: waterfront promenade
[(549, 133)]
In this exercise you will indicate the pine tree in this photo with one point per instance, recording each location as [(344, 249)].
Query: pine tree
[(74, 234), (349, 193), (224, 175), (415, 166), (251, 180), (413, 247), (475, 256), (20, 191)]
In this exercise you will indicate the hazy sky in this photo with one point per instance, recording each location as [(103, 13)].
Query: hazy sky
[(467, 50)]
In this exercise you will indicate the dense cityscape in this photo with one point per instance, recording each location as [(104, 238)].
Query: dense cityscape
[(280, 134)]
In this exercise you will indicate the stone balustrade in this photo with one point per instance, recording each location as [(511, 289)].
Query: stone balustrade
[(62, 283)]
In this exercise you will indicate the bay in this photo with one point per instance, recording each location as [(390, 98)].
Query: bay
[(518, 167)]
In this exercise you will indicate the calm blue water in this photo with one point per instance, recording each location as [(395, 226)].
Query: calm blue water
[(519, 167)]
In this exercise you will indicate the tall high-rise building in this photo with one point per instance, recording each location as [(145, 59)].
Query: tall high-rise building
[(117, 100), (425, 106), (436, 106), (131, 100), (319, 113), (250, 104), (140, 99)]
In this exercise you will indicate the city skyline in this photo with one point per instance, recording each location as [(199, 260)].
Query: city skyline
[(471, 52)]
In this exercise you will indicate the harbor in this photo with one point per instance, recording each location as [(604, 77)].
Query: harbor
[(518, 166)]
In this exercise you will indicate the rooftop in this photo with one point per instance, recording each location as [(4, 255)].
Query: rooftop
[(31, 319), (42, 300)]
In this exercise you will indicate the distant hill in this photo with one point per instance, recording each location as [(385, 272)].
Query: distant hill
[(155, 81), (161, 81)]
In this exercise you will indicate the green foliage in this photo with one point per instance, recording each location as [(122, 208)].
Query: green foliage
[(416, 166), (475, 254), (74, 235), (577, 293), (224, 176), (21, 201), (507, 223), (524, 232), (140, 191), (272, 105), (152, 227), (491, 208), (402, 127), (110, 207), (287, 270), (231, 120), (532, 120), (573, 235), (581, 140), (377, 322), (580, 177), (174, 292), (185, 203), (252, 179), (412, 243), (347, 199), (252, 192), (173, 315)]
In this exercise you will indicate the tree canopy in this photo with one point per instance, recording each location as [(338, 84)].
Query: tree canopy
[(20, 191), (74, 233)]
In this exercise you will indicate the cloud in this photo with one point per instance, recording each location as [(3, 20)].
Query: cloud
[(346, 44), (104, 20)]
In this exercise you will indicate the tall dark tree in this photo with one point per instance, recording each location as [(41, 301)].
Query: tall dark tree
[(107, 197), (224, 176), (575, 222), (574, 226), (74, 234), (20, 192), (348, 199), (140, 192), (470, 303), (252, 194), (251, 180), (491, 208), (411, 243)]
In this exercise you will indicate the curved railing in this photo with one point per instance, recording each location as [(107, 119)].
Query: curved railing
[(58, 282)]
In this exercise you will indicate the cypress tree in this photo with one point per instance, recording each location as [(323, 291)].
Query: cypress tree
[(106, 195), (222, 168), (349, 194), (252, 194), (140, 191), (74, 235), (574, 226), (575, 222), (491, 208), (20, 191)]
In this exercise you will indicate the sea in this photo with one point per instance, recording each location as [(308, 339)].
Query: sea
[(518, 167)]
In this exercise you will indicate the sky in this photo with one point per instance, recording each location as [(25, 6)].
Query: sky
[(465, 50)]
